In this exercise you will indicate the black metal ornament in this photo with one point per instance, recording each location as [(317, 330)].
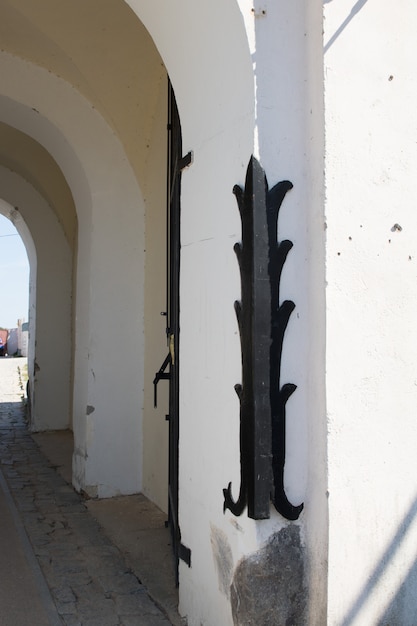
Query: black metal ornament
[(262, 323)]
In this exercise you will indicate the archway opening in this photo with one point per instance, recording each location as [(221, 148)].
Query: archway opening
[(18, 292), (14, 289), (14, 326)]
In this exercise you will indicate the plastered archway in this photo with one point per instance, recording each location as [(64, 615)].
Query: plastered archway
[(113, 199), (98, 190), (50, 259), (15, 216)]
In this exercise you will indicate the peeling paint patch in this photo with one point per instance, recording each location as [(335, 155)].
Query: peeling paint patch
[(90, 409), (223, 559), (269, 586)]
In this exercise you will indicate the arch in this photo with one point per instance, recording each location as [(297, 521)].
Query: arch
[(50, 286), (206, 50), (109, 197), (21, 154), (14, 215), (116, 192)]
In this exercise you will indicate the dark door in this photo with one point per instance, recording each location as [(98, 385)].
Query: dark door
[(173, 312), (175, 165)]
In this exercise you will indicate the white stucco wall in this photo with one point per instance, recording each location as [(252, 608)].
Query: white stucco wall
[(371, 159), (215, 86), (219, 131), (290, 139), (155, 426)]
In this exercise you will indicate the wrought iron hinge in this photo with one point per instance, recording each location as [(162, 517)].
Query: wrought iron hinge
[(161, 374), (185, 161), (184, 554)]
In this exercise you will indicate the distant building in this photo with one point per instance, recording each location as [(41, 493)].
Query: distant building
[(3, 342)]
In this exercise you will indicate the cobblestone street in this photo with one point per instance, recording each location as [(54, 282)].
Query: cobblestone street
[(87, 576)]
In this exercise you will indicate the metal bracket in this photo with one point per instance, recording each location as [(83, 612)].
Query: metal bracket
[(186, 161), (184, 554), (161, 374)]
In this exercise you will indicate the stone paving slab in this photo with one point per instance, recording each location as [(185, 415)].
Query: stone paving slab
[(86, 574), (23, 590)]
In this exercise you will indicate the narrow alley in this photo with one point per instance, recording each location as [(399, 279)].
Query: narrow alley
[(58, 566)]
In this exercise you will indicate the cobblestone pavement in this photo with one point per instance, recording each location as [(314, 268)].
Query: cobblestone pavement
[(86, 574)]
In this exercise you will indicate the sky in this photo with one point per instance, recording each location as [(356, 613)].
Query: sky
[(14, 276)]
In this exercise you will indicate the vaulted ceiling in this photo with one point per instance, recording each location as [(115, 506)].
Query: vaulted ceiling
[(102, 49)]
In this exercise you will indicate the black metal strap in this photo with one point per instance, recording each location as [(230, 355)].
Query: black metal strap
[(161, 374), (185, 161), (184, 554)]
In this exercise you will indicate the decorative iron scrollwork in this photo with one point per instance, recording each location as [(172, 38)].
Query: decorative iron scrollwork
[(262, 323)]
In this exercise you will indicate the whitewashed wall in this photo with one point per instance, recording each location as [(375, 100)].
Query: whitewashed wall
[(371, 189), (223, 124), (155, 426)]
